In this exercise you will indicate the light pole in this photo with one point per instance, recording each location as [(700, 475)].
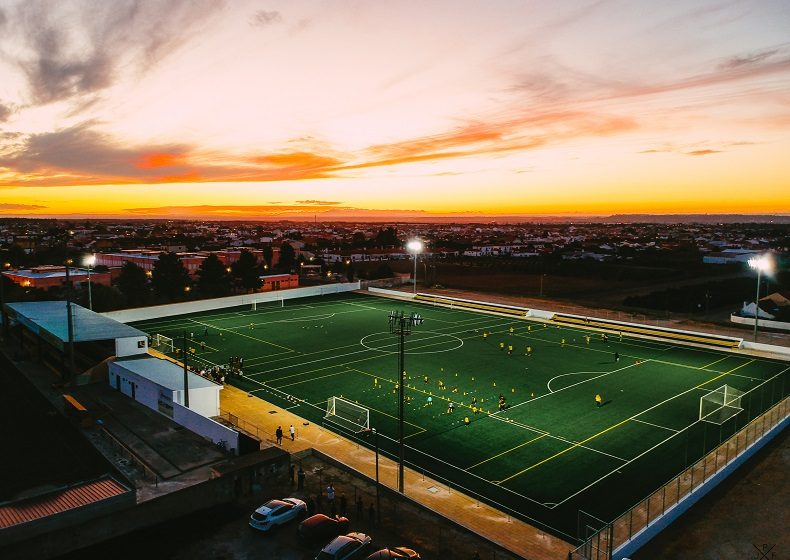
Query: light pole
[(415, 247), (6, 266), (90, 261), (760, 264), (401, 325)]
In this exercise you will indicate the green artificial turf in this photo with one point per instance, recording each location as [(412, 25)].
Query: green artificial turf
[(550, 453)]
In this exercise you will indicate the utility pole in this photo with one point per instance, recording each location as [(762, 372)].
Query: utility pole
[(70, 324), (186, 372)]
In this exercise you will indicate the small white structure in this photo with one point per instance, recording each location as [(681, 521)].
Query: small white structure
[(158, 384)]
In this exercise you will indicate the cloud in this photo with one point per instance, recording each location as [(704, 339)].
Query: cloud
[(263, 18), (5, 112), (747, 60), (702, 152), (75, 49), (318, 202), (4, 207)]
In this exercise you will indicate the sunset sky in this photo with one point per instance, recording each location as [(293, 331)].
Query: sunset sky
[(393, 109)]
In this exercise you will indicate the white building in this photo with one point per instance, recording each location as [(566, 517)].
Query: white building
[(159, 383)]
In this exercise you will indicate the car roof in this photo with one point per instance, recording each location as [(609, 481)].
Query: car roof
[(343, 540)]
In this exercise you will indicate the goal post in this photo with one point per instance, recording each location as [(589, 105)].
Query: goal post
[(720, 405), (273, 303), (163, 343), (347, 414)]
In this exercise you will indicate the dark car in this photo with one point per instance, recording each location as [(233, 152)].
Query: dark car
[(346, 547), (320, 527), (397, 552)]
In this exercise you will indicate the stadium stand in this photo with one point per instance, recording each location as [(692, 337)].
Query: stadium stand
[(647, 331), (469, 304)]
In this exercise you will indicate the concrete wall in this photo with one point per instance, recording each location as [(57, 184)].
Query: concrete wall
[(158, 311), (203, 400), (206, 427), (131, 346), (766, 323)]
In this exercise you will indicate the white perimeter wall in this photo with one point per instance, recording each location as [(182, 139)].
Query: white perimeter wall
[(130, 346), (206, 427), (157, 311), (767, 323)]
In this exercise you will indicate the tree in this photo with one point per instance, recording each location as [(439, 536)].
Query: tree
[(358, 239), (287, 257), (133, 284), (104, 298), (387, 237), (213, 279), (267, 255), (383, 271), (247, 270), (170, 279)]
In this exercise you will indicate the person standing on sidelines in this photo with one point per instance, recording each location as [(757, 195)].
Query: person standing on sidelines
[(616, 357), (330, 497), (279, 434), (292, 431)]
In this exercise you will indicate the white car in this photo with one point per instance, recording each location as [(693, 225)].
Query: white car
[(277, 512)]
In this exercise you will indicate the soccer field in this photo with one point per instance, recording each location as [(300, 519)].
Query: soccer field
[(551, 452)]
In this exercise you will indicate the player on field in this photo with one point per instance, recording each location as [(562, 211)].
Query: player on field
[(598, 401)]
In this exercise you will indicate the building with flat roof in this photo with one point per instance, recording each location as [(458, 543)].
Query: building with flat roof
[(48, 276)]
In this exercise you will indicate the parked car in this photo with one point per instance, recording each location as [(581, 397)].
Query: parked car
[(320, 527), (277, 512), (352, 545), (397, 552)]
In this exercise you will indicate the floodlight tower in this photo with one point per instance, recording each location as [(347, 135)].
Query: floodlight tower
[(400, 325), (760, 264), (415, 247), (89, 261)]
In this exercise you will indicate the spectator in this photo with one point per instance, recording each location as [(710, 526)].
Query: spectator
[(279, 435), (300, 476)]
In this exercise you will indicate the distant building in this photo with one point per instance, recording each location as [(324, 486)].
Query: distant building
[(48, 276), (274, 282)]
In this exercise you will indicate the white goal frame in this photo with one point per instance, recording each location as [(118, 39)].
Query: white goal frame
[(720, 405), (347, 414), (254, 306), (163, 343)]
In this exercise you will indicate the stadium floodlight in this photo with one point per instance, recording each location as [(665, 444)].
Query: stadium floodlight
[(761, 264), (415, 247), (400, 325), (90, 261)]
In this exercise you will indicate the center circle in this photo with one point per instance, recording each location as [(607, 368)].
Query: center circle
[(418, 342)]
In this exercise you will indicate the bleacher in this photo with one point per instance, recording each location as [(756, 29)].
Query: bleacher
[(470, 304), (647, 331)]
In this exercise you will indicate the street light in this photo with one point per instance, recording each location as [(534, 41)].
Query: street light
[(6, 266), (760, 264), (89, 262), (375, 433), (401, 324), (415, 247)]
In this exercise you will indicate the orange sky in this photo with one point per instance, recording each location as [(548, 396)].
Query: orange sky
[(375, 109)]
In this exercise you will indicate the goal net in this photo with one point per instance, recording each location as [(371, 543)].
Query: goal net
[(271, 303), (162, 343), (720, 405), (347, 414)]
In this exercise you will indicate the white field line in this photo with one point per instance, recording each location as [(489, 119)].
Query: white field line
[(667, 439), (656, 425)]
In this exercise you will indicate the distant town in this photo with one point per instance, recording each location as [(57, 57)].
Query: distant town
[(142, 262)]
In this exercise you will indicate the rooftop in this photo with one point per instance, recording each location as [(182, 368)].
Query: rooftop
[(49, 318)]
